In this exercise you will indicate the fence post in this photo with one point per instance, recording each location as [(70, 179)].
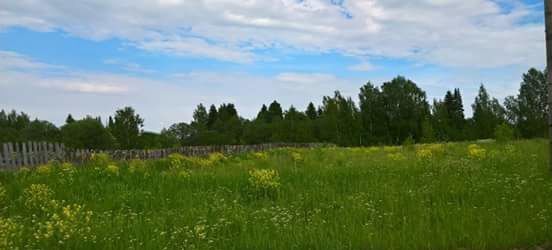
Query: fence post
[(10, 155), (25, 154)]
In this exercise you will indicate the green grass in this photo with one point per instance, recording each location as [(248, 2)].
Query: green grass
[(493, 196)]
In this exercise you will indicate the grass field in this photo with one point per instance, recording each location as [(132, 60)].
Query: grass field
[(440, 196)]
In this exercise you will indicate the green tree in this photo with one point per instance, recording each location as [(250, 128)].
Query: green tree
[(528, 111), (275, 112), (40, 131), (69, 119), (87, 133), (372, 115), (181, 131), (127, 128), (487, 114), (201, 118), (311, 112), (339, 120), (405, 108), (212, 116)]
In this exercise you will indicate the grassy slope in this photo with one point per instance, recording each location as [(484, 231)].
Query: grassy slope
[(372, 198)]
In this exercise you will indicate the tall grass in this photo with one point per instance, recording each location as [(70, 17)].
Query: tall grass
[(440, 196)]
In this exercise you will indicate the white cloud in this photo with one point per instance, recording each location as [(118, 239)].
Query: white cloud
[(195, 47), (457, 33), (128, 66), (362, 67), (73, 85), (14, 61), (160, 101)]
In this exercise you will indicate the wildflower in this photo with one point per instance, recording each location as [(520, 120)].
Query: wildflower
[(396, 156), (176, 160), (476, 152), (391, 149), (183, 174), (38, 196), (24, 170), (112, 169), (216, 158), (137, 166), (424, 153), (44, 169), (100, 159), (436, 148), (296, 156), (260, 156), (264, 179), (10, 233), (67, 168), (3, 194), (69, 222)]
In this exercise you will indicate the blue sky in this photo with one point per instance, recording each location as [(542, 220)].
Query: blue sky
[(163, 57)]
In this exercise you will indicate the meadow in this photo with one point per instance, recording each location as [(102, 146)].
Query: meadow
[(476, 195)]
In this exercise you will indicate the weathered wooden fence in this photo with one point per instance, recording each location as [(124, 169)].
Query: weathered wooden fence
[(15, 155)]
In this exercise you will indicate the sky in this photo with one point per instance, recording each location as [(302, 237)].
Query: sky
[(163, 57)]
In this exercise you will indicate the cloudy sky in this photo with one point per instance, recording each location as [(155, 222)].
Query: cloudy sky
[(163, 57)]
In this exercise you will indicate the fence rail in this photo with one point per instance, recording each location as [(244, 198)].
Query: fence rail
[(15, 155)]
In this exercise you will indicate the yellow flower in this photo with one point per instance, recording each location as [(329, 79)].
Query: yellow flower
[(476, 152), (137, 166), (112, 169), (183, 174), (44, 169), (396, 156), (24, 170), (216, 158), (70, 222), (100, 159), (39, 196), (391, 149), (176, 160), (67, 168), (10, 233), (264, 179), (260, 155), (424, 153), (296, 156), (3, 194)]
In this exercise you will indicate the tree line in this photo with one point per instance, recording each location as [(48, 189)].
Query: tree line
[(395, 112)]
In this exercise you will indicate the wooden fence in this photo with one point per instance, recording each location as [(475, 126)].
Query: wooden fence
[(15, 155)]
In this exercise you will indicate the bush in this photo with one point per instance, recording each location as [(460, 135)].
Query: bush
[(504, 133), (265, 182)]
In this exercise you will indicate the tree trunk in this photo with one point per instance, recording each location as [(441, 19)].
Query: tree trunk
[(548, 24)]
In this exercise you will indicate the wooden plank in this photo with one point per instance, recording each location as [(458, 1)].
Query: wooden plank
[(41, 151), (25, 154), (51, 154), (7, 155), (10, 156), (15, 155), (30, 153), (36, 159), (45, 152)]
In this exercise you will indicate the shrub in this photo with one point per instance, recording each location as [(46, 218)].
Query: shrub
[(504, 133), (176, 161), (112, 169), (39, 197), (137, 166), (10, 233), (264, 181), (100, 159), (476, 152)]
